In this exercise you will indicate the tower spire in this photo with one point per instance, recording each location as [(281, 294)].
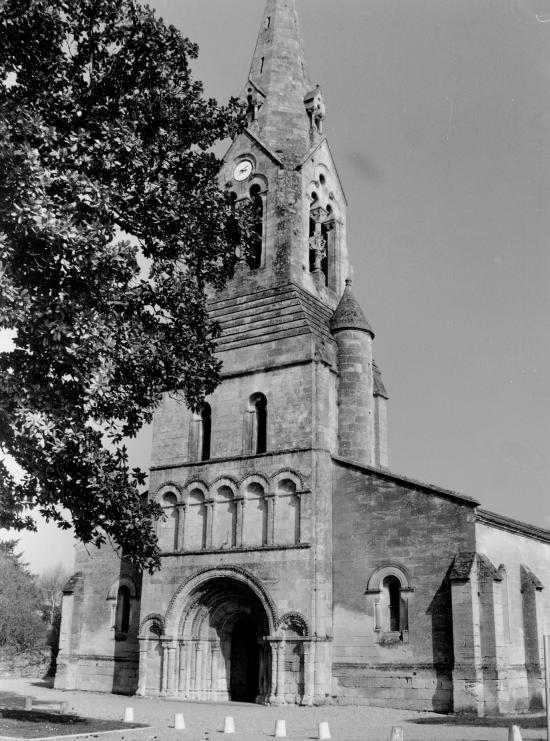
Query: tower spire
[(278, 82)]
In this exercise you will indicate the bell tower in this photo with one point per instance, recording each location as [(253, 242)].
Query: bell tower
[(283, 164), (246, 481)]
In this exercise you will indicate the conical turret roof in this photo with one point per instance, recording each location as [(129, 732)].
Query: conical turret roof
[(279, 79), (348, 314)]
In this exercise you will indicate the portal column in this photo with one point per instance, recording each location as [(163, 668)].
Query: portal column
[(197, 694), (171, 669), (206, 671), (183, 684), (164, 675), (274, 663), (280, 697), (309, 672), (142, 669)]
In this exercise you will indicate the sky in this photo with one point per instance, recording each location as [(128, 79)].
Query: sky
[(438, 117)]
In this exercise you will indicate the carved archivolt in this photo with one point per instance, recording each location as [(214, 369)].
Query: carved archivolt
[(295, 621), (154, 618), (180, 599), (168, 487)]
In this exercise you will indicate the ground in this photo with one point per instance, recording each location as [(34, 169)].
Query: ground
[(204, 721)]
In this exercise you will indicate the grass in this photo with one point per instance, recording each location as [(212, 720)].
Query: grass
[(17, 722), (492, 721)]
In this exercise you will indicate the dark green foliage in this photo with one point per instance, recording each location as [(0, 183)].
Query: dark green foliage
[(21, 623), (104, 133)]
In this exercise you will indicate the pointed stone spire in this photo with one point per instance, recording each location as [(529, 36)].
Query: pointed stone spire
[(348, 314), (278, 82)]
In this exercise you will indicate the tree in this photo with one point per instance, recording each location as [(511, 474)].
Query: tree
[(103, 134), (50, 584), (21, 623)]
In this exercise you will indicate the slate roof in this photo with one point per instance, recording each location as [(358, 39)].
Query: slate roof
[(349, 314), (270, 314)]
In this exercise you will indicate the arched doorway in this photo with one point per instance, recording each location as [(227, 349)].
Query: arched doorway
[(245, 661), (223, 651)]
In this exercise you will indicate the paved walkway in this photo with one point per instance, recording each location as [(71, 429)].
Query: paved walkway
[(204, 721)]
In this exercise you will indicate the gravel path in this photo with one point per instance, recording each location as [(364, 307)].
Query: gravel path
[(204, 721)]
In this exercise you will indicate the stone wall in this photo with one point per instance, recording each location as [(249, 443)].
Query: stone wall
[(93, 654), (519, 553), (385, 526)]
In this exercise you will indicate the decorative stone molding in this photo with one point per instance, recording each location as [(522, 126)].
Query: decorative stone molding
[(154, 618), (228, 481), (168, 487), (254, 478), (184, 591), (191, 484), (122, 581), (287, 473), (374, 584), (296, 619)]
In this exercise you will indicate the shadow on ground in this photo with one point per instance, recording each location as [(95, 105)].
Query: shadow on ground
[(40, 716), (46, 682), (492, 721)]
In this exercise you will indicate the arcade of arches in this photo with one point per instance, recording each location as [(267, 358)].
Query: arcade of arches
[(221, 642)]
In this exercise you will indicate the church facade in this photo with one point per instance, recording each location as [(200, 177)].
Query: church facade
[(296, 566)]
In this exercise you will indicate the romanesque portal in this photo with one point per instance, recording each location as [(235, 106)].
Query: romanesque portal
[(224, 648)]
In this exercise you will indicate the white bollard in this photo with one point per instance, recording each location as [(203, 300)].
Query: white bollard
[(514, 734), (280, 729), (324, 731), (228, 724), (396, 734), (129, 715), (179, 722)]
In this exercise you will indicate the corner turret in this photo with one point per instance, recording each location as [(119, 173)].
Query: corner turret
[(361, 393)]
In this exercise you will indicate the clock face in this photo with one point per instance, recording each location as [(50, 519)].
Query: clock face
[(242, 170)]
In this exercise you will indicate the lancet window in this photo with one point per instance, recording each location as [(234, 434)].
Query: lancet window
[(200, 434), (318, 241), (254, 256), (195, 521), (257, 423), (168, 524), (122, 614), (225, 519)]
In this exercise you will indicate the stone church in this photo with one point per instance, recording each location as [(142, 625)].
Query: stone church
[(296, 567)]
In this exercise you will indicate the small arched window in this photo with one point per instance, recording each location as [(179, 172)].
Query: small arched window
[(318, 240), (200, 434), (388, 595), (195, 521), (391, 589), (122, 615), (287, 524), (205, 432), (254, 252), (255, 516), (225, 519), (258, 408), (168, 524)]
